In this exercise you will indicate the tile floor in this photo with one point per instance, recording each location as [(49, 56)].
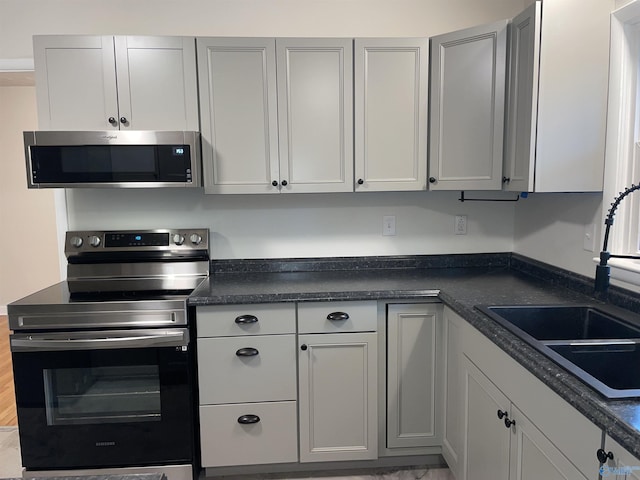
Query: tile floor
[(10, 466)]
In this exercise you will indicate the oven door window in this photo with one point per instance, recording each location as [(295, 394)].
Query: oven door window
[(104, 408), (108, 394)]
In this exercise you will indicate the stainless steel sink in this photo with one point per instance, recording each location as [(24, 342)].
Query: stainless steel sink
[(598, 344)]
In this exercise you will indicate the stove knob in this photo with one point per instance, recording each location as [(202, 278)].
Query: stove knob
[(178, 239), (94, 241), (76, 242), (195, 239)]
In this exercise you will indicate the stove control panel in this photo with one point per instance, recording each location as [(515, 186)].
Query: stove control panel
[(193, 239)]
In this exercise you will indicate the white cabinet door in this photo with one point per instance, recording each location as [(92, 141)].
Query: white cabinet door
[(534, 457), (391, 77), (75, 82), (338, 396), (238, 102), (621, 463), (453, 391), (413, 344), (315, 110), (157, 86), (468, 71), (557, 103), (486, 437)]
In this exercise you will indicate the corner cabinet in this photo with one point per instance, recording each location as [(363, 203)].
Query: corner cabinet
[(337, 381), (116, 82), (277, 114), (391, 100), (509, 425), (557, 101), (468, 70)]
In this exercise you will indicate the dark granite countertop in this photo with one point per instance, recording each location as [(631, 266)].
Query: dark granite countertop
[(492, 279)]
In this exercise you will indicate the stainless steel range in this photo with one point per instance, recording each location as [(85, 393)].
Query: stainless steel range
[(102, 361)]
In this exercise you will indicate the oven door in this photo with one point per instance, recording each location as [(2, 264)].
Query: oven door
[(103, 399)]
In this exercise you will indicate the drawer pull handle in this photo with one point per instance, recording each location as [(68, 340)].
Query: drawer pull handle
[(603, 456), (247, 352), (248, 419), (246, 319), (338, 316)]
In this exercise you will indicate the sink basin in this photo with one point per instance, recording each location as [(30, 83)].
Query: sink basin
[(615, 366), (565, 322), (596, 343)]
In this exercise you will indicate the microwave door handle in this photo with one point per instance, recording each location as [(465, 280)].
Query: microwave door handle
[(44, 344)]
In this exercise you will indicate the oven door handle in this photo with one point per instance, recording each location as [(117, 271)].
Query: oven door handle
[(32, 343)]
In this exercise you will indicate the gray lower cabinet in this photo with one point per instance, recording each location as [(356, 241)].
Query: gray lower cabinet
[(620, 462), (503, 423), (413, 380), (247, 384), (337, 381)]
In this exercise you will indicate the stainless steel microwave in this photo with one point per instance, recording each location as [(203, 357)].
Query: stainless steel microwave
[(116, 159)]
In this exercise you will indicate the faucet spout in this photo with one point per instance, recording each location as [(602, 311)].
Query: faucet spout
[(603, 271)]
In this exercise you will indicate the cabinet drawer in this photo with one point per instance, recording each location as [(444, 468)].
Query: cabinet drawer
[(225, 441), (258, 319), (313, 317), (247, 369)]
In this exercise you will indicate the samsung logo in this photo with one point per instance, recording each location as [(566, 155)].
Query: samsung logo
[(105, 444), (109, 137)]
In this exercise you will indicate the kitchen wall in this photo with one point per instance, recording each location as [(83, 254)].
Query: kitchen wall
[(547, 227), (28, 245), (551, 227)]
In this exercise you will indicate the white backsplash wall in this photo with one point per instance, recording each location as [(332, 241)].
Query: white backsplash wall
[(551, 227), (303, 225)]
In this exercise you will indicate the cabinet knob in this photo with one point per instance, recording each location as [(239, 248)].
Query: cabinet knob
[(284, 183), (432, 179), (303, 347), (508, 423), (506, 179), (502, 414), (603, 456), (112, 120), (274, 183), (248, 419), (360, 181), (123, 120), (247, 352), (338, 316), (246, 319)]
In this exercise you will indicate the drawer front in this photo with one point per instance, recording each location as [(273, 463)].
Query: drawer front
[(225, 441), (247, 369), (313, 317), (258, 319)]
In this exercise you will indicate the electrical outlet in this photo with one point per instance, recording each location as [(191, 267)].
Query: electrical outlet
[(589, 240), (389, 225), (460, 227)]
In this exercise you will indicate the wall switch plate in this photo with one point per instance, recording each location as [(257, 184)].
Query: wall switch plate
[(389, 225), (460, 227)]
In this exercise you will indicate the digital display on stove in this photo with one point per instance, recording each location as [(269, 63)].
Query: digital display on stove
[(136, 240)]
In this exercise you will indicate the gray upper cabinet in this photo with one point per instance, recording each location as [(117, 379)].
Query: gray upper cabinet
[(557, 100), (391, 78), (111, 83), (468, 70), (277, 114), (237, 78)]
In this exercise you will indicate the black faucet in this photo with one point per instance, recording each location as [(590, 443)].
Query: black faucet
[(603, 271)]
